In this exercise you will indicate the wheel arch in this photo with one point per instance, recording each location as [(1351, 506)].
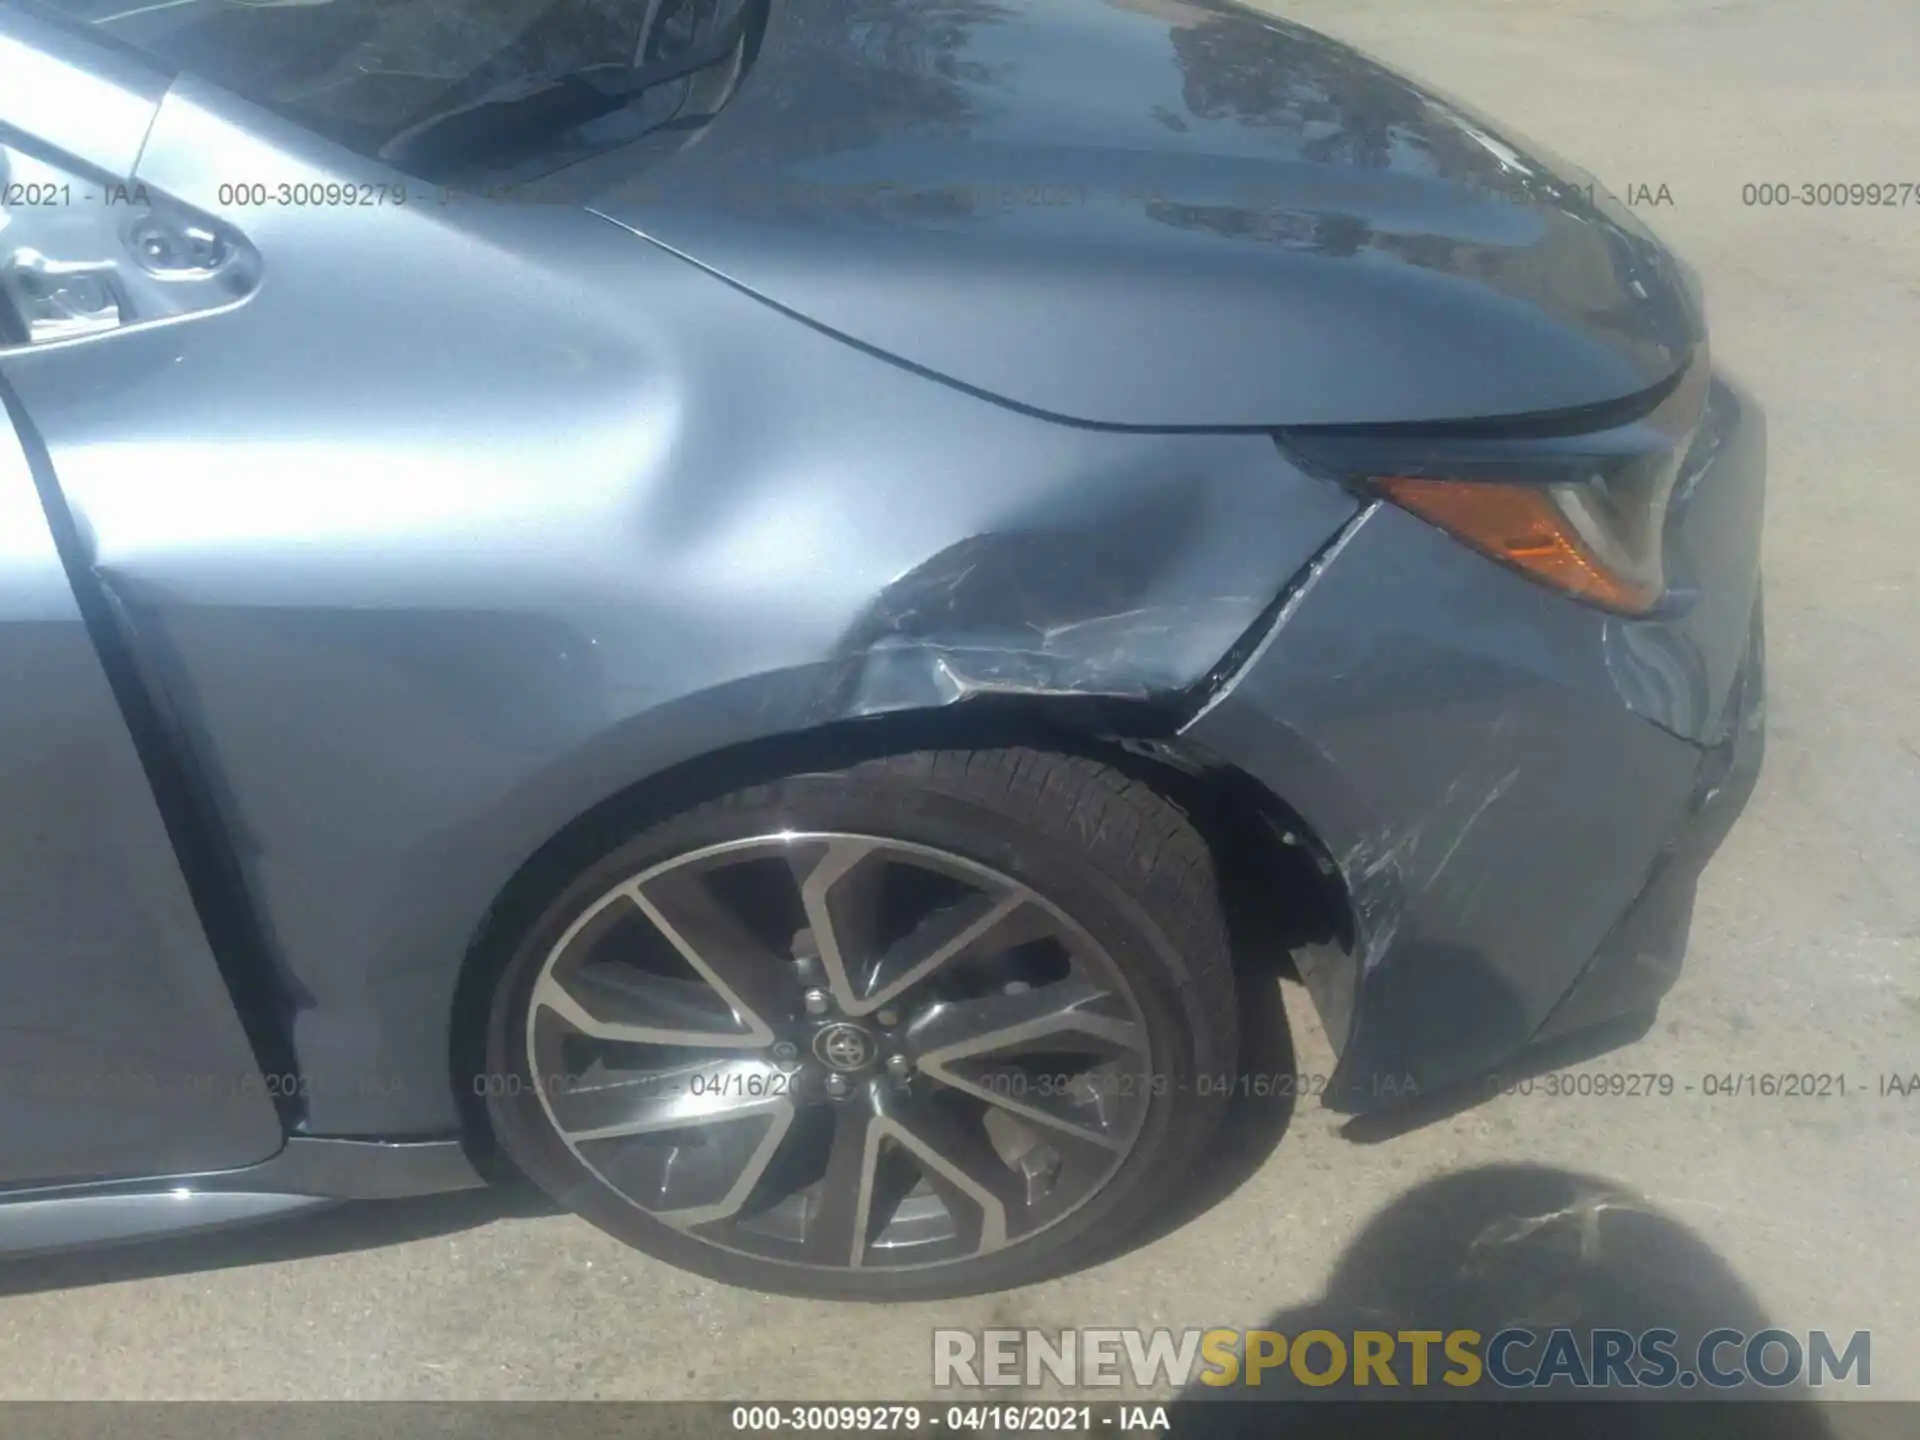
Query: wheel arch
[(1278, 890)]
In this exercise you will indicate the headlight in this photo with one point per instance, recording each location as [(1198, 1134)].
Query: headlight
[(1584, 512), (1598, 538)]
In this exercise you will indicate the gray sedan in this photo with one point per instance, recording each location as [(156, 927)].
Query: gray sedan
[(756, 610)]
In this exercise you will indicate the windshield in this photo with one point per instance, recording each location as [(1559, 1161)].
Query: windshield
[(364, 71)]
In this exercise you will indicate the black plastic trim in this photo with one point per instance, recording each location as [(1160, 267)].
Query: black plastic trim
[(200, 843), (1540, 424)]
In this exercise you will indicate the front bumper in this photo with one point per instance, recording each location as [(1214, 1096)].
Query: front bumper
[(1516, 792), (1640, 960)]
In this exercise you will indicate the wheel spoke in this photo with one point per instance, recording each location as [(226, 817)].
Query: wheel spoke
[(638, 1010), (839, 1211), (960, 1041), (755, 981), (695, 1169), (600, 995), (628, 995), (839, 889), (1026, 1020), (981, 923), (602, 1101), (984, 1198)]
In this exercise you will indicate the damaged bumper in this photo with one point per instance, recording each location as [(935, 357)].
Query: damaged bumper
[(1516, 791)]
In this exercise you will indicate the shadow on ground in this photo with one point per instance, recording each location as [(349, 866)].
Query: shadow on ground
[(1539, 1248)]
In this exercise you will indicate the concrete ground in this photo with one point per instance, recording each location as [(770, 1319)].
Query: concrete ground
[(1803, 960)]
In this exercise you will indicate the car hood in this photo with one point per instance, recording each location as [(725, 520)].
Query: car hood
[(1160, 213)]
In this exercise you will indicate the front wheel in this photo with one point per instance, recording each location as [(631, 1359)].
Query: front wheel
[(930, 1025)]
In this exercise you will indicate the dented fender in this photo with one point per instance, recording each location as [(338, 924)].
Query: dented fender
[(1132, 589), (467, 593)]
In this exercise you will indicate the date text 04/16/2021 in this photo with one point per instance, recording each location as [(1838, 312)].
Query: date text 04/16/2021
[(966, 1419)]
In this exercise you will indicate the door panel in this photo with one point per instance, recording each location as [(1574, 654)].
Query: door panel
[(120, 1051)]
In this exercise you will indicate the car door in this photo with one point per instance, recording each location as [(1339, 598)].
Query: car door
[(327, 436), (122, 1052)]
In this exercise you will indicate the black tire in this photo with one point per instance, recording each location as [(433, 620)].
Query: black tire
[(1104, 848)]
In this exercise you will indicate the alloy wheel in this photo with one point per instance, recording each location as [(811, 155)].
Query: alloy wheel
[(839, 1051)]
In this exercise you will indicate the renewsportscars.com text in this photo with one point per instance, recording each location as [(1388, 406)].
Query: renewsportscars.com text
[(1510, 1359)]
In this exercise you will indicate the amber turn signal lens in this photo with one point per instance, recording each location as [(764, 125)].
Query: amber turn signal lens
[(1520, 526)]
